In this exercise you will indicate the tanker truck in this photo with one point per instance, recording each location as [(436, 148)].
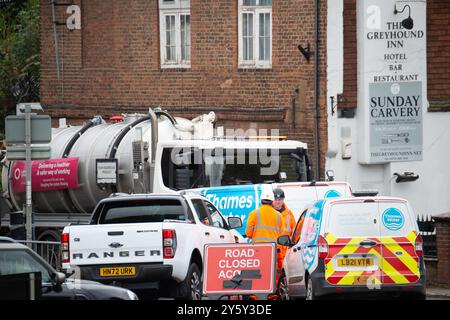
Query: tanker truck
[(141, 153)]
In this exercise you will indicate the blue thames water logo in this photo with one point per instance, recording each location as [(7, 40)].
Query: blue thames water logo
[(332, 194), (393, 219)]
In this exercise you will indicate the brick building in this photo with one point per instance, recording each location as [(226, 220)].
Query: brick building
[(390, 51), (239, 58), (427, 58), (438, 56)]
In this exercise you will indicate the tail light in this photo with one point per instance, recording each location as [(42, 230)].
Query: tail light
[(419, 246), (323, 247), (65, 256), (169, 243)]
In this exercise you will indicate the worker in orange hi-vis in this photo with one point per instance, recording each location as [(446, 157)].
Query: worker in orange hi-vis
[(265, 224), (288, 219)]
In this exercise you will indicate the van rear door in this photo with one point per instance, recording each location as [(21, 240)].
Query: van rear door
[(352, 234), (400, 263)]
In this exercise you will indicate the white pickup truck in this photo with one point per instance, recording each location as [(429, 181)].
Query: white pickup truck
[(152, 241)]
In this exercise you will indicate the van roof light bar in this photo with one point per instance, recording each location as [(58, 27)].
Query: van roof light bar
[(365, 193)]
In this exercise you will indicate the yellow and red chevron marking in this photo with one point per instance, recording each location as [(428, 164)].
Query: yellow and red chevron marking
[(397, 260)]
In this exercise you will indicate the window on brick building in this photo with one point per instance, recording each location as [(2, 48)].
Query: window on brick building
[(255, 33), (175, 33)]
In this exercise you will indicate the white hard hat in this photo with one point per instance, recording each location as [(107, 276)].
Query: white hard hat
[(267, 195)]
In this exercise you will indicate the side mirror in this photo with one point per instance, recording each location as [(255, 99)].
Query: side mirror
[(284, 241), (58, 278), (234, 222)]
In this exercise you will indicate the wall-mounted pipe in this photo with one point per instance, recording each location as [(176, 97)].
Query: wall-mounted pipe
[(55, 38), (316, 87)]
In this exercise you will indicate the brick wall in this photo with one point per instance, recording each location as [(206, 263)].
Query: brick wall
[(438, 271), (112, 65), (438, 55)]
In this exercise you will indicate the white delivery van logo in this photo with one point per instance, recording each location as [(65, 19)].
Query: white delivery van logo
[(332, 194), (393, 219)]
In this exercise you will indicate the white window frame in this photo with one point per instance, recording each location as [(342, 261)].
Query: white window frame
[(255, 63), (175, 8)]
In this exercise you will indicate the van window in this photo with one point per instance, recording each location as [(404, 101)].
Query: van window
[(142, 211), (310, 227), (298, 228), (395, 219), (353, 220)]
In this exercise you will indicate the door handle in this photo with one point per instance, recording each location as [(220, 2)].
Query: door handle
[(222, 236), (115, 233), (206, 233), (367, 243)]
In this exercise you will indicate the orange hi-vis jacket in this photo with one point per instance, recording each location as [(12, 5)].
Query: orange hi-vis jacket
[(264, 224), (289, 226), (289, 221)]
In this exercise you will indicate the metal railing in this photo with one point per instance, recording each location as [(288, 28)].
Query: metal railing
[(48, 250), (427, 230)]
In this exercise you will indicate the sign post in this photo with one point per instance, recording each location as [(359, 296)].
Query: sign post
[(28, 208), (25, 130), (239, 269)]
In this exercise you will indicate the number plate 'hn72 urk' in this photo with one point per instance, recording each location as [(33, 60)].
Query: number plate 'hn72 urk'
[(117, 271)]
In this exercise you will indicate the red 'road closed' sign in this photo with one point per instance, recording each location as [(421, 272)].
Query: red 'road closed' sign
[(236, 269)]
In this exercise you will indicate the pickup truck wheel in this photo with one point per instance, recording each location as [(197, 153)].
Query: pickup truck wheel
[(191, 287)]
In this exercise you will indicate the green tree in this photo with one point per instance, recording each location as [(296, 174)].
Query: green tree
[(19, 56)]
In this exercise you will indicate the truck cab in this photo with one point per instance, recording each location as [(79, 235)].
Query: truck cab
[(192, 164)]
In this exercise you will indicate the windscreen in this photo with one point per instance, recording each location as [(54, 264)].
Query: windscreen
[(196, 168), (353, 220), (142, 211), (19, 261)]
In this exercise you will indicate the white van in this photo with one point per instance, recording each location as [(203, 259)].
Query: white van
[(360, 246), (240, 200)]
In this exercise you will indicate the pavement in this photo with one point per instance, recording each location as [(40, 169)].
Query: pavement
[(437, 293)]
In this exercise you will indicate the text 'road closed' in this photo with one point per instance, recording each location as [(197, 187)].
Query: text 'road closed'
[(239, 268)]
